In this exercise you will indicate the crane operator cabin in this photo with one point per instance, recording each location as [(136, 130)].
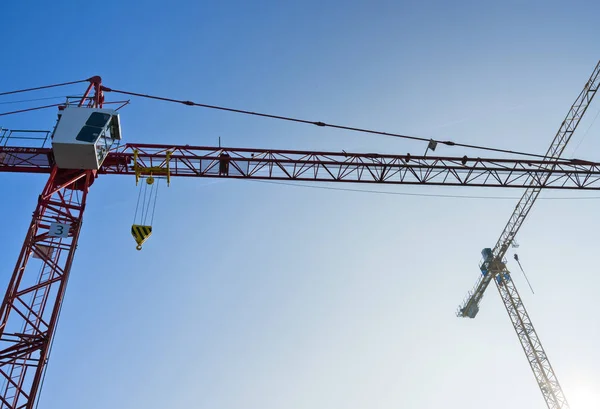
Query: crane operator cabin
[(84, 136)]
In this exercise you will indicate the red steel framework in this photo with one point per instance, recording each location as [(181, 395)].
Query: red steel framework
[(31, 305), (292, 165)]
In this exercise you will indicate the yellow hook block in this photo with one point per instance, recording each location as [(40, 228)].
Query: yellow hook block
[(140, 233)]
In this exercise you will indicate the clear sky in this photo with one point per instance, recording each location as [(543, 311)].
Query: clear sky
[(261, 296)]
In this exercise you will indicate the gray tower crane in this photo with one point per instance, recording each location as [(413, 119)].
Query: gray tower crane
[(493, 265)]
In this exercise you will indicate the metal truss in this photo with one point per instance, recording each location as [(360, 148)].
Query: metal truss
[(245, 163), (33, 299), (32, 302), (532, 346), (534, 186), (538, 360)]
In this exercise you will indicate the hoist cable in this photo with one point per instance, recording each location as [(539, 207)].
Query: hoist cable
[(155, 197), (142, 219), (137, 206), (151, 187), (323, 124)]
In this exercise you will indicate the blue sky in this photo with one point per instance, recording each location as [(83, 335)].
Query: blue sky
[(253, 295)]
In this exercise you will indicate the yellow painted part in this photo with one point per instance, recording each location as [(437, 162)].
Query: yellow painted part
[(135, 166), (152, 170), (140, 233)]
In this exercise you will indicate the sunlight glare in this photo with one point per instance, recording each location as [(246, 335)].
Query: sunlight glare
[(584, 397)]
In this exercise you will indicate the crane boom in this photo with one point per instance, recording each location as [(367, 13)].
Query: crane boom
[(247, 163), (470, 306)]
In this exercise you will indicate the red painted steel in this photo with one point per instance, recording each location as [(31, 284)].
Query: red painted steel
[(98, 98), (248, 163), (32, 302)]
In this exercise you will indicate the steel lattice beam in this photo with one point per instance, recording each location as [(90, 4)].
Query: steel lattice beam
[(32, 302), (471, 304), (538, 360), (244, 163), (532, 346)]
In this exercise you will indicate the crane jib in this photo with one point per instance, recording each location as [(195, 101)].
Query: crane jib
[(245, 163)]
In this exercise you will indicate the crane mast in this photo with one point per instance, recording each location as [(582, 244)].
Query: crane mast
[(31, 306), (495, 266), (32, 302)]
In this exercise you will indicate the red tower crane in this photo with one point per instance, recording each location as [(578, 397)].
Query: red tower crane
[(84, 148)]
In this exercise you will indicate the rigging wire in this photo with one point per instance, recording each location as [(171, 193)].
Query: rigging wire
[(271, 116), (343, 189), (43, 87), (144, 213), (523, 271), (322, 124), (29, 109), (32, 100), (586, 133), (123, 103)]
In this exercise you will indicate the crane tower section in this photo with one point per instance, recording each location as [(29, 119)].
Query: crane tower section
[(31, 306)]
